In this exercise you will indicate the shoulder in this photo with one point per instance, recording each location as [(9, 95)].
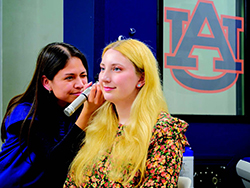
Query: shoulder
[(25, 106), (19, 113), (169, 126)]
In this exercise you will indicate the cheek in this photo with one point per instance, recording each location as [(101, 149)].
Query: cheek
[(85, 80), (63, 90), (122, 80), (100, 77), (128, 80)]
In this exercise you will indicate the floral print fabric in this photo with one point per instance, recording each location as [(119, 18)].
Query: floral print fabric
[(164, 160)]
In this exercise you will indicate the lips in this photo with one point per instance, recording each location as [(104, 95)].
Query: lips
[(77, 94), (108, 88)]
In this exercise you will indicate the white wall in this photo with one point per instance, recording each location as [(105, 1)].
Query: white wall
[(27, 26)]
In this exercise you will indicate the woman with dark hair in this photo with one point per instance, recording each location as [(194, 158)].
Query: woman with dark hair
[(40, 141)]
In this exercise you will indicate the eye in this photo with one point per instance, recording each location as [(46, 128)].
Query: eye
[(117, 69), (84, 75), (102, 68), (69, 78)]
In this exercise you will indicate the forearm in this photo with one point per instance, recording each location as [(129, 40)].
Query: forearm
[(82, 121), (95, 100), (70, 144)]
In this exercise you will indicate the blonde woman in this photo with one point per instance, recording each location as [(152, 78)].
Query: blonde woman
[(132, 141)]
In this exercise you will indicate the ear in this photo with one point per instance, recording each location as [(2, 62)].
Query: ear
[(45, 82), (141, 81)]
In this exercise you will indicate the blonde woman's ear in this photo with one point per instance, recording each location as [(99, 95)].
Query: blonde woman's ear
[(141, 81), (139, 85)]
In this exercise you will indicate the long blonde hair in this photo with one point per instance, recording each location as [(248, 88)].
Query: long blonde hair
[(130, 153)]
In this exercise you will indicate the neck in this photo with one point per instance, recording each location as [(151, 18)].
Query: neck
[(123, 111)]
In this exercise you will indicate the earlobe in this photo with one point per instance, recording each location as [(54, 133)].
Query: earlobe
[(141, 81), (45, 82), (140, 84)]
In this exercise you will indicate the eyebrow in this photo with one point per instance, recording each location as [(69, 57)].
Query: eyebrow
[(113, 64), (83, 72)]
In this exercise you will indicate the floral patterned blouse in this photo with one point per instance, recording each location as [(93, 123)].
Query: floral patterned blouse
[(164, 160)]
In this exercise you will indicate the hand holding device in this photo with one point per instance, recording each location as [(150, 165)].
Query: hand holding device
[(77, 102)]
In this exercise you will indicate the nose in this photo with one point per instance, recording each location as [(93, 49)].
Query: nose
[(79, 84), (104, 76)]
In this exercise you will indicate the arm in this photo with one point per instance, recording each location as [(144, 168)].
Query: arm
[(56, 159), (95, 100), (64, 152), (164, 163), (72, 141), (73, 138)]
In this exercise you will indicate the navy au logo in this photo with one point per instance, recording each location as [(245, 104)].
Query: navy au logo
[(187, 34)]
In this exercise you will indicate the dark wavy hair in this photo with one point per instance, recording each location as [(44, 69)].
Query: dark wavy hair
[(51, 59)]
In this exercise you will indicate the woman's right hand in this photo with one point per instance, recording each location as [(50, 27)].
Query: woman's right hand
[(95, 100)]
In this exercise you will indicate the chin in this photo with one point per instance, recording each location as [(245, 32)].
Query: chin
[(110, 99)]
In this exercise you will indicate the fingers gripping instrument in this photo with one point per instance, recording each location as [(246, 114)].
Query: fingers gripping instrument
[(77, 102)]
